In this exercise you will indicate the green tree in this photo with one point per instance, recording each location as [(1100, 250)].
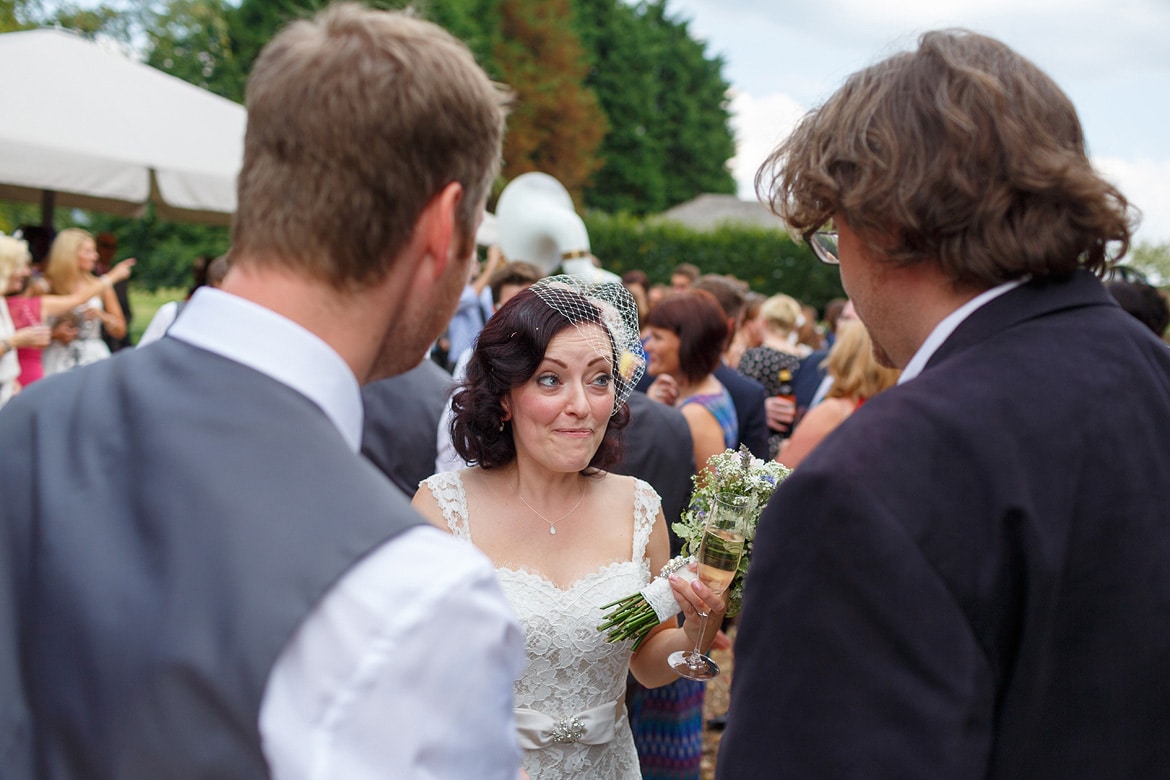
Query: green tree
[(1153, 260), (693, 115), (18, 15), (670, 136), (193, 40), (633, 176)]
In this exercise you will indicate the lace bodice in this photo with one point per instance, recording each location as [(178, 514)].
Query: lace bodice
[(571, 668)]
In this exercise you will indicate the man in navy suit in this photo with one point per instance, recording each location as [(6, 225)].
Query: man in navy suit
[(970, 577)]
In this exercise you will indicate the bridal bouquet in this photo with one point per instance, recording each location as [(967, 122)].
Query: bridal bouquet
[(730, 471)]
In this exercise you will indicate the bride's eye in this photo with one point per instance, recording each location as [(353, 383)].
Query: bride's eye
[(548, 380)]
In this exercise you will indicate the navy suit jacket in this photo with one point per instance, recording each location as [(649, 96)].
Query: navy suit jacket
[(657, 448), (748, 396), (970, 577)]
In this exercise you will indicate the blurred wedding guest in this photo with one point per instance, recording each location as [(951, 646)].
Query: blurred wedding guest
[(1143, 301), (857, 377), (13, 337), (776, 362), (655, 294), (40, 240), (475, 307), (667, 721), (506, 281), (687, 332), (540, 414), (968, 579), (833, 311), (809, 336), (749, 332), (211, 273), (107, 249), (30, 311), (249, 597), (748, 395), (401, 416), (683, 276), (638, 283), (77, 334)]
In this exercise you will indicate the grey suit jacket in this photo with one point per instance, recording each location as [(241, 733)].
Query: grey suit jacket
[(401, 423), (168, 519)]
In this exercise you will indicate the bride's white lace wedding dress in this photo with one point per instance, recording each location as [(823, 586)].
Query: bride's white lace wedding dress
[(570, 702)]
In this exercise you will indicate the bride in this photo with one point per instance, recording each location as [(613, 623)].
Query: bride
[(540, 415)]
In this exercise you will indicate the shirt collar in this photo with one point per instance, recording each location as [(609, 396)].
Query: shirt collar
[(944, 329), (259, 338)]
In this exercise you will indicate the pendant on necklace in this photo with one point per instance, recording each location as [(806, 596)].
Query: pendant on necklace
[(552, 531)]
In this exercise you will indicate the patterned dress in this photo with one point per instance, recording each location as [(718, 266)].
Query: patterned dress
[(570, 702), (764, 365), (720, 405)]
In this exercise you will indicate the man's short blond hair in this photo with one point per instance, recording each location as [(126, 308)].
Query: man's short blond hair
[(356, 120)]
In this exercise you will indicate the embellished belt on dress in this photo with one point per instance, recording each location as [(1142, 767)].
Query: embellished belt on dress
[(591, 727)]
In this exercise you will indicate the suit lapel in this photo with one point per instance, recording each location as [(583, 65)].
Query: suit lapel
[(1028, 301)]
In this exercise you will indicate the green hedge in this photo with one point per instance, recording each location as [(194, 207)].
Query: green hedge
[(768, 260)]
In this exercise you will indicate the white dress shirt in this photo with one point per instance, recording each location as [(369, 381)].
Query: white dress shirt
[(162, 319), (405, 668), (947, 326)]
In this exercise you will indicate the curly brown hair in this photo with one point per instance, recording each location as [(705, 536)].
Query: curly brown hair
[(961, 153), (507, 353)]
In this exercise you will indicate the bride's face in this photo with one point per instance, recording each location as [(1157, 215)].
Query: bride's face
[(560, 415)]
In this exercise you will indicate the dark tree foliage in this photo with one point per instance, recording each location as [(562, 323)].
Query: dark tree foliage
[(622, 72), (670, 136), (195, 40), (768, 260)]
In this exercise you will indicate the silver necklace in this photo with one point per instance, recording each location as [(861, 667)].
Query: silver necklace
[(552, 524)]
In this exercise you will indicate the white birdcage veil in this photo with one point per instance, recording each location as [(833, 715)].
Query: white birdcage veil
[(609, 305)]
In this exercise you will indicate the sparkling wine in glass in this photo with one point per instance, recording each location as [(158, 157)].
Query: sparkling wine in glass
[(719, 554)]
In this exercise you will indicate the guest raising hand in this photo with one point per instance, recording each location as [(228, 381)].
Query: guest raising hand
[(69, 270)]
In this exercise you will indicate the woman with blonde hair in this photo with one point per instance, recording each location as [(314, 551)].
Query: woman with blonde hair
[(29, 311), (78, 334), (857, 377), (775, 361)]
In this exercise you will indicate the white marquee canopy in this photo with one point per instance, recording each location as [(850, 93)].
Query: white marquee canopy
[(104, 132)]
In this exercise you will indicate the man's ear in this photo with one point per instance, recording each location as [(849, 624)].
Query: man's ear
[(437, 227)]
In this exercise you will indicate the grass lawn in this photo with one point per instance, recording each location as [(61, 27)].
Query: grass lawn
[(144, 303)]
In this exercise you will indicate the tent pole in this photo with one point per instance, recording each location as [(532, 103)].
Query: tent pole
[(48, 203)]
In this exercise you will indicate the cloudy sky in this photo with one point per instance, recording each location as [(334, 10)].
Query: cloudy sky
[(1112, 57)]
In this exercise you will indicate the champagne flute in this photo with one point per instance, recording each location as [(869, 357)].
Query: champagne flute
[(719, 554)]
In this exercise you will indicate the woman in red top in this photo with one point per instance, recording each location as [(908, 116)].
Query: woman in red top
[(29, 309)]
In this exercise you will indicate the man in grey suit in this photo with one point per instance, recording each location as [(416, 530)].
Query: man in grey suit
[(402, 414), (248, 597), (969, 577)]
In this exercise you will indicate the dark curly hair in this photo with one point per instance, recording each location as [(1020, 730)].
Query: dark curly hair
[(961, 153), (507, 353)]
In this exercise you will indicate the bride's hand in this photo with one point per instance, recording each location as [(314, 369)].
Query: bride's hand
[(694, 598)]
